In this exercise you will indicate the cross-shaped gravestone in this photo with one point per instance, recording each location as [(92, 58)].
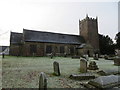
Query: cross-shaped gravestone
[(56, 68), (83, 65), (42, 81)]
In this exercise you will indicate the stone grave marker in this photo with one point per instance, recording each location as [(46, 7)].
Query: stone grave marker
[(117, 61), (95, 56), (56, 68), (93, 66), (106, 81), (106, 57), (108, 72), (51, 55), (87, 57), (83, 65), (119, 53), (83, 76), (42, 81)]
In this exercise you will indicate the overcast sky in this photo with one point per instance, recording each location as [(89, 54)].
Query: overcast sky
[(52, 16)]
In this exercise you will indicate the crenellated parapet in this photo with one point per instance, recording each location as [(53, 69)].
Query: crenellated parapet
[(88, 28)]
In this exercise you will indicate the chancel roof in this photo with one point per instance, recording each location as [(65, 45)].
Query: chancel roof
[(16, 38)]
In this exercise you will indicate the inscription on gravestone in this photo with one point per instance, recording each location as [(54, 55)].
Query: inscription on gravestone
[(42, 81), (56, 68), (83, 65)]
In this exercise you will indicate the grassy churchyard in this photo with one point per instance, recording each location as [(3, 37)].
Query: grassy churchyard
[(23, 72)]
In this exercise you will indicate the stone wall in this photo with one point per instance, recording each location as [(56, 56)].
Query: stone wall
[(89, 30), (15, 50), (41, 49)]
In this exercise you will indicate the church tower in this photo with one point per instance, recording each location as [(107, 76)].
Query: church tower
[(88, 28)]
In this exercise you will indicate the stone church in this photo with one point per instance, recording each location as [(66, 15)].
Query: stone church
[(40, 43)]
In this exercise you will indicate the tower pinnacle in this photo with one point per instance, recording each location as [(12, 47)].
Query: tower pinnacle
[(87, 16)]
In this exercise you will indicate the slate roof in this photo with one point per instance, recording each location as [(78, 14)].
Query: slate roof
[(50, 37), (16, 38)]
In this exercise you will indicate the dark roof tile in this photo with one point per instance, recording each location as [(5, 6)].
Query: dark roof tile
[(16, 38), (40, 36)]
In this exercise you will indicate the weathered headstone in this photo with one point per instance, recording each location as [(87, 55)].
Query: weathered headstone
[(83, 76), (65, 54), (106, 81), (101, 56), (108, 72), (87, 57), (118, 53), (106, 57), (42, 81), (117, 61), (51, 56), (56, 68), (95, 56), (92, 66), (83, 65)]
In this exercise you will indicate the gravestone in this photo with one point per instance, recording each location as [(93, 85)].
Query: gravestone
[(95, 56), (51, 56), (106, 57), (83, 65), (118, 53), (65, 54), (117, 61), (92, 66), (56, 68), (87, 57), (83, 76), (108, 72), (106, 81), (42, 81)]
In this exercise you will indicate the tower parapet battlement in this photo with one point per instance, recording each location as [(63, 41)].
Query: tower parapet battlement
[(88, 28), (89, 19)]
